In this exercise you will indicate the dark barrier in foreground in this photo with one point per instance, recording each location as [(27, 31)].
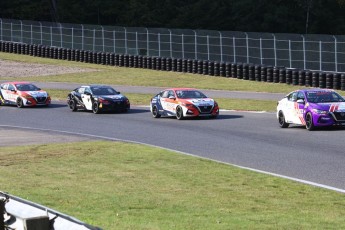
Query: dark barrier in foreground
[(245, 71)]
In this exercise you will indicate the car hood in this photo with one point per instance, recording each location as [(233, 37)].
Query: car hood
[(112, 97), (40, 93), (332, 107), (200, 101)]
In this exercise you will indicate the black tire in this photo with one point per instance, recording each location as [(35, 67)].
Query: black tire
[(72, 105), (155, 112), (309, 123), (281, 120), (19, 103), (179, 113), (95, 108)]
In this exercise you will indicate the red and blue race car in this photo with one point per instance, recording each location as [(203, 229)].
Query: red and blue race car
[(311, 108), (23, 94), (182, 103)]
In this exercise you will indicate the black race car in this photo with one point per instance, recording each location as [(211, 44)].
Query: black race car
[(97, 98)]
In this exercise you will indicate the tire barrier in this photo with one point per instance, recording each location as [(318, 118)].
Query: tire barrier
[(211, 68), (169, 64), (189, 66), (322, 80), (269, 73), (233, 70), (294, 77), (184, 64), (264, 73), (178, 65), (282, 75), (329, 80), (245, 71), (257, 73), (336, 81), (288, 76), (205, 68), (216, 69), (222, 69), (315, 79), (342, 81), (194, 66), (200, 67), (308, 78), (275, 75), (239, 71), (301, 77)]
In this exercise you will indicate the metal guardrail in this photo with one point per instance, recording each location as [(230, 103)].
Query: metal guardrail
[(312, 52)]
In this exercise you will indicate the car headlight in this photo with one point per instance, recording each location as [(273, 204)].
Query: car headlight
[(27, 96), (318, 111), (187, 104)]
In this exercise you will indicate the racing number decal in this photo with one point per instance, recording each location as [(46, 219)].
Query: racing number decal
[(299, 112)]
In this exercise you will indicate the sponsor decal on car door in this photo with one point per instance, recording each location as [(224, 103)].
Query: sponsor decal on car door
[(86, 98), (168, 104)]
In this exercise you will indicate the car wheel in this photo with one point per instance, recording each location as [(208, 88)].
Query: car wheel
[(179, 113), (19, 103), (72, 105), (155, 112), (95, 108), (281, 120), (309, 124)]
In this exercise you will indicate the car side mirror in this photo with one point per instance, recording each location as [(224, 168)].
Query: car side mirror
[(172, 98), (300, 101), (87, 93), (38, 88), (118, 92), (13, 90)]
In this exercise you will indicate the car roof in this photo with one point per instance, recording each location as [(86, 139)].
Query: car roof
[(17, 82), (180, 89), (317, 90), (95, 85)]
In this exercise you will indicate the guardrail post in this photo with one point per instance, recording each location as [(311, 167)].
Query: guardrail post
[(114, 40), (196, 45), (320, 47), (335, 54), (148, 43), (275, 49), (221, 46), (41, 30), (247, 46), (103, 38), (182, 37), (170, 34), (0, 29), (261, 59), (208, 47), (304, 57), (290, 53), (72, 37), (159, 44), (234, 48), (82, 36), (21, 31)]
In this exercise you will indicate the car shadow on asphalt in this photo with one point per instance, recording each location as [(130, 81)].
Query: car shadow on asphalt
[(320, 129)]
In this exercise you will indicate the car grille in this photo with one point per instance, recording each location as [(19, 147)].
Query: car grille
[(119, 105), (339, 116), (41, 99), (205, 109)]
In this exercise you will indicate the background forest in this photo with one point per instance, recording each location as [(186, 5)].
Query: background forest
[(276, 16)]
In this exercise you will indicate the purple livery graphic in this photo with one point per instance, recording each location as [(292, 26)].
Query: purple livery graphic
[(312, 108)]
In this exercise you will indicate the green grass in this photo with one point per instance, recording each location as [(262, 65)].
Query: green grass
[(224, 103), (144, 77), (128, 186)]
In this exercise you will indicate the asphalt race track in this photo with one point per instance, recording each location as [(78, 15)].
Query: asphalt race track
[(252, 140)]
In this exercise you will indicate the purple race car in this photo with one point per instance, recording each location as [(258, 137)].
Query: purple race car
[(312, 108)]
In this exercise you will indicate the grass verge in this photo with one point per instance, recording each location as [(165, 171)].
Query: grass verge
[(128, 186), (144, 77), (224, 103)]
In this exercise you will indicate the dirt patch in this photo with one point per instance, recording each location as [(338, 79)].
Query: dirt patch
[(17, 137), (21, 69)]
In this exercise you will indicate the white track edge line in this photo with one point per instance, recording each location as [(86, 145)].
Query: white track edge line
[(184, 153)]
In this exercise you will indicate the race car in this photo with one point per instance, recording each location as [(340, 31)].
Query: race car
[(97, 98), (311, 108), (182, 103), (23, 94)]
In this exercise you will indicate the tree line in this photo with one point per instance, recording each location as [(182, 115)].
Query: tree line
[(274, 16)]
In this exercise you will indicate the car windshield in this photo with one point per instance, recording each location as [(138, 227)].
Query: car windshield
[(324, 97), (27, 87), (183, 94), (101, 90)]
